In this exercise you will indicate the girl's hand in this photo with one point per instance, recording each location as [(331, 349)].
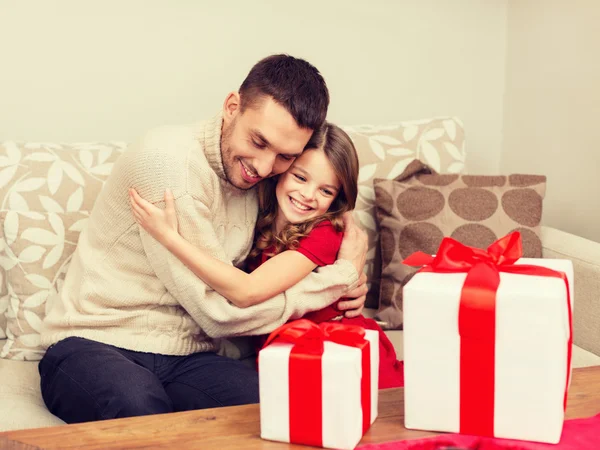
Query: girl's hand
[(159, 223)]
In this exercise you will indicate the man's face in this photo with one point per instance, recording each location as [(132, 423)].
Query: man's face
[(261, 142)]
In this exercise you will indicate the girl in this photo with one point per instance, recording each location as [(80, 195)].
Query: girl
[(300, 228)]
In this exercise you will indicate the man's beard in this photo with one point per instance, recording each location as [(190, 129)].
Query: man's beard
[(228, 161), (226, 151)]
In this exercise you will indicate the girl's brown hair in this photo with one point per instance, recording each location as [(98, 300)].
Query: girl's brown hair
[(341, 154)]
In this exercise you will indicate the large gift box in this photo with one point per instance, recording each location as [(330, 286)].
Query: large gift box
[(318, 384), (487, 342)]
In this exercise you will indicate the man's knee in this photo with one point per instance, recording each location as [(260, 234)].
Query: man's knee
[(139, 400)]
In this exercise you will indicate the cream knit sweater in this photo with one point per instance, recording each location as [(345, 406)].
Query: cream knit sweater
[(125, 289)]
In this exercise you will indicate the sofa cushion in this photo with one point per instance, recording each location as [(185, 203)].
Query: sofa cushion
[(37, 252), (585, 255), (384, 152), (416, 211), (3, 304), (22, 405)]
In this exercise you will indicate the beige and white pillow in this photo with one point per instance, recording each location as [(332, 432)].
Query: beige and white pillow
[(36, 181), (3, 302), (38, 250), (54, 177), (417, 211), (385, 152)]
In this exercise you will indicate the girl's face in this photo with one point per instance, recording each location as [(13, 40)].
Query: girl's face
[(307, 189)]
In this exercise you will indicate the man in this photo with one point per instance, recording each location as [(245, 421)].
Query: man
[(132, 331)]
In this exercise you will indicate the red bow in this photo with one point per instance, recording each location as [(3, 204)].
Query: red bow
[(477, 317), (309, 337), (452, 256)]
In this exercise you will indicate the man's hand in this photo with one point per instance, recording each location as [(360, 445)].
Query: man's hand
[(354, 244), (354, 301), (354, 249)]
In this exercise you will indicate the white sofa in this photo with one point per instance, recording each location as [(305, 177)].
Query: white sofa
[(43, 182)]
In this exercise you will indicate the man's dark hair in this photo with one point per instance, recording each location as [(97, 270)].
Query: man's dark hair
[(293, 83)]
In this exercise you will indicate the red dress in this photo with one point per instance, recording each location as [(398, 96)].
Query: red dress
[(321, 247)]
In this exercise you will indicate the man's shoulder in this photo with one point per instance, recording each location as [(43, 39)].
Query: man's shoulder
[(170, 137), (174, 156), (168, 147)]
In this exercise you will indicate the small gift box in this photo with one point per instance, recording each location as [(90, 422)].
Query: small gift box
[(318, 384), (487, 342)]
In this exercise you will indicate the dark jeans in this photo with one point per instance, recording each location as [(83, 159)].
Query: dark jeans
[(84, 380)]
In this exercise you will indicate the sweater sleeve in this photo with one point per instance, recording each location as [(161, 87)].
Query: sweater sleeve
[(215, 315)]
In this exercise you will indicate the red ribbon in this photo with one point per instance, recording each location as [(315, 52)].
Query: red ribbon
[(305, 382), (477, 318)]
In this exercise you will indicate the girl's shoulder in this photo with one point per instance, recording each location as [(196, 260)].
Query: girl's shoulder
[(322, 244), (326, 225), (325, 230)]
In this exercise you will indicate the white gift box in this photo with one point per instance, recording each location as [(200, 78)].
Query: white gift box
[(531, 352), (342, 414)]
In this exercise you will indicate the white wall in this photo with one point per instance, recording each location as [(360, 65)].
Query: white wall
[(552, 107), (78, 70)]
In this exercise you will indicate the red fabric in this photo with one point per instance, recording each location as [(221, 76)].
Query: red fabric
[(323, 315), (578, 434), (321, 246), (391, 371)]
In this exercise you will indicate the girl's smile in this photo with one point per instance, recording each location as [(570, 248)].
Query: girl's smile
[(307, 189)]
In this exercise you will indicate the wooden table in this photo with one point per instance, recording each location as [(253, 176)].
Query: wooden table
[(238, 427)]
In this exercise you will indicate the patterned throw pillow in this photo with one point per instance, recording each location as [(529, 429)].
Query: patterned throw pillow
[(54, 177), (385, 152), (37, 253), (41, 181), (3, 303), (417, 210)]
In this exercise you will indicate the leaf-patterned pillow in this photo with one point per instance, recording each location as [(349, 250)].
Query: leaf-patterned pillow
[(384, 152), (54, 177), (3, 301), (50, 177), (37, 251)]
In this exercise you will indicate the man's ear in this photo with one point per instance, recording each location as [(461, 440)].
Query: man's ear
[(231, 107)]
